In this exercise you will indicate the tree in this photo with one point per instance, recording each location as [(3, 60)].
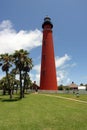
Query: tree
[(81, 84), (3, 84), (23, 65), (60, 87), (27, 67), (14, 81), (86, 86), (6, 60)]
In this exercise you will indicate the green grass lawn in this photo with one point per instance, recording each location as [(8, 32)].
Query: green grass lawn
[(40, 112), (82, 97)]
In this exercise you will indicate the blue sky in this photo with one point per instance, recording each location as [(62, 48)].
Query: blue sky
[(21, 27)]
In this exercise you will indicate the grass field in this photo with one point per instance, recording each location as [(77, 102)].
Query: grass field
[(40, 112)]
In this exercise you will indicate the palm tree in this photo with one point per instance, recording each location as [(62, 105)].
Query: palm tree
[(6, 60), (28, 82), (23, 64), (3, 84), (13, 81), (27, 67)]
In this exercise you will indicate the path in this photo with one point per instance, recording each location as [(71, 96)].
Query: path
[(80, 101)]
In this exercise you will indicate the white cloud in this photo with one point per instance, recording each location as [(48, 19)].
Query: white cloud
[(61, 76), (11, 40), (37, 68), (35, 74), (60, 61), (61, 66), (68, 65), (5, 24), (68, 80)]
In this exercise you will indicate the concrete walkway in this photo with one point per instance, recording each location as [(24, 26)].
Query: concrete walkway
[(80, 101)]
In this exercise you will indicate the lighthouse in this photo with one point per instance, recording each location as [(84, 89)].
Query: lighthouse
[(48, 80)]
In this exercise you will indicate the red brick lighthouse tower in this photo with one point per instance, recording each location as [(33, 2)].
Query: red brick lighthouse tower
[(48, 80)]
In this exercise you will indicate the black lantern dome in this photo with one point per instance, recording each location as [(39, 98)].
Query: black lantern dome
[(47, 20)]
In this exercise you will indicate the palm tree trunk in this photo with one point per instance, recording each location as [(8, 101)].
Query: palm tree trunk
[(10, 90), (10, 93), (24, 83), (21, 89), (4, 90)]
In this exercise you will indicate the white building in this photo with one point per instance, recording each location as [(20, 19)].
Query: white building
[(81, 87)]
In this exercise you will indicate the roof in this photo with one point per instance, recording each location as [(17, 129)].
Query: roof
[(73, 85), (34, 86)]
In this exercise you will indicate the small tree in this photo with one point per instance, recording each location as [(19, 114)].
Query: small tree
[(81, 84), (86, 86), (60, 87)]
